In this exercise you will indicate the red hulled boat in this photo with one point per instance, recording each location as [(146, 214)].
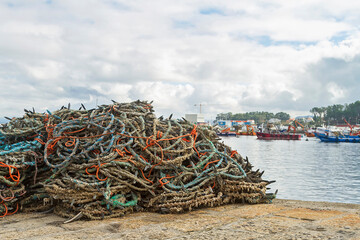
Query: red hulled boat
[(278, 136)]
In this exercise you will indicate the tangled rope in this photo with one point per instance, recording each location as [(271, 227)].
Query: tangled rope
[(116, 159)]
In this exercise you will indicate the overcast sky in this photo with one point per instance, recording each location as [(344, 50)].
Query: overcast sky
[(234, 55)]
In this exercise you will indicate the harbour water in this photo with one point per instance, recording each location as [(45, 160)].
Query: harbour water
[(307, 169)]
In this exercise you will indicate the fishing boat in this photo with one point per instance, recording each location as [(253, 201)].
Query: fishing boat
[(352, 132), (324, 133), (250, 131), (247, 133), (310, 133), (277, 136), (340, 138), (272, 133), (226, 133)]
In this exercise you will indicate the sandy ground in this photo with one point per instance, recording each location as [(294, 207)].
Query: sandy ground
[(283, 219)]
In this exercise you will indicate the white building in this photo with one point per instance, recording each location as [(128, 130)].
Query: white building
[(195, 118), (274, 120)]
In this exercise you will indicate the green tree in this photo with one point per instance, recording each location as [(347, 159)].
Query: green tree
[(258, 117), (282, 116), (336, 113)]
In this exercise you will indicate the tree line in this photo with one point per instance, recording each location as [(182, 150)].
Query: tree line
[(335, 114), (259, 117), (330, 115)]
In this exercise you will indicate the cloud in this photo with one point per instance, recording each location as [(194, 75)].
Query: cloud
[(230, 56), (164, 95), (331, 81)]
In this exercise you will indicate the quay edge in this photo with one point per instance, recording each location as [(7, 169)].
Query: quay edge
[(282, 219)]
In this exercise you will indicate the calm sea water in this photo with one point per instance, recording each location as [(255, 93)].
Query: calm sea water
[(305, 170)]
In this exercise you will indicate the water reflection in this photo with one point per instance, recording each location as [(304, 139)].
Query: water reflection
[(305, 170)]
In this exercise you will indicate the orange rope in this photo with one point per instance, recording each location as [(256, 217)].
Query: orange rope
[(163, 183), (6, 199), (162, 158), (148, 106), (96, 151), (15, 178), (70, 143), (121, 153), (233, 153), (17, 208), (210, 163), (47, 118), (40, 141), (97, 171), (50, 130), (127, 151), (75, 131), (6, 210), (145, 177), (214, 184), (143, 158), (127, 160), (149, 142)]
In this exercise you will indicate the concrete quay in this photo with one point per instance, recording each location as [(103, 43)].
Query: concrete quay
[(283, 219)]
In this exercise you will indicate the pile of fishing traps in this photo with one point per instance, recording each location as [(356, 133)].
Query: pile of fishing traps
[(116, 159)]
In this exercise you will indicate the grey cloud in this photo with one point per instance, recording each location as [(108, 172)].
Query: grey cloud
[(270, 101), (343, 73), (313, 86), (80, 92)]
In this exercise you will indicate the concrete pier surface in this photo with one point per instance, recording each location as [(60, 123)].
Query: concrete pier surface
[(283, 219)]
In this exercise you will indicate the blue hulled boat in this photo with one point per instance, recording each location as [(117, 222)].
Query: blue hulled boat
[(352, 139)]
